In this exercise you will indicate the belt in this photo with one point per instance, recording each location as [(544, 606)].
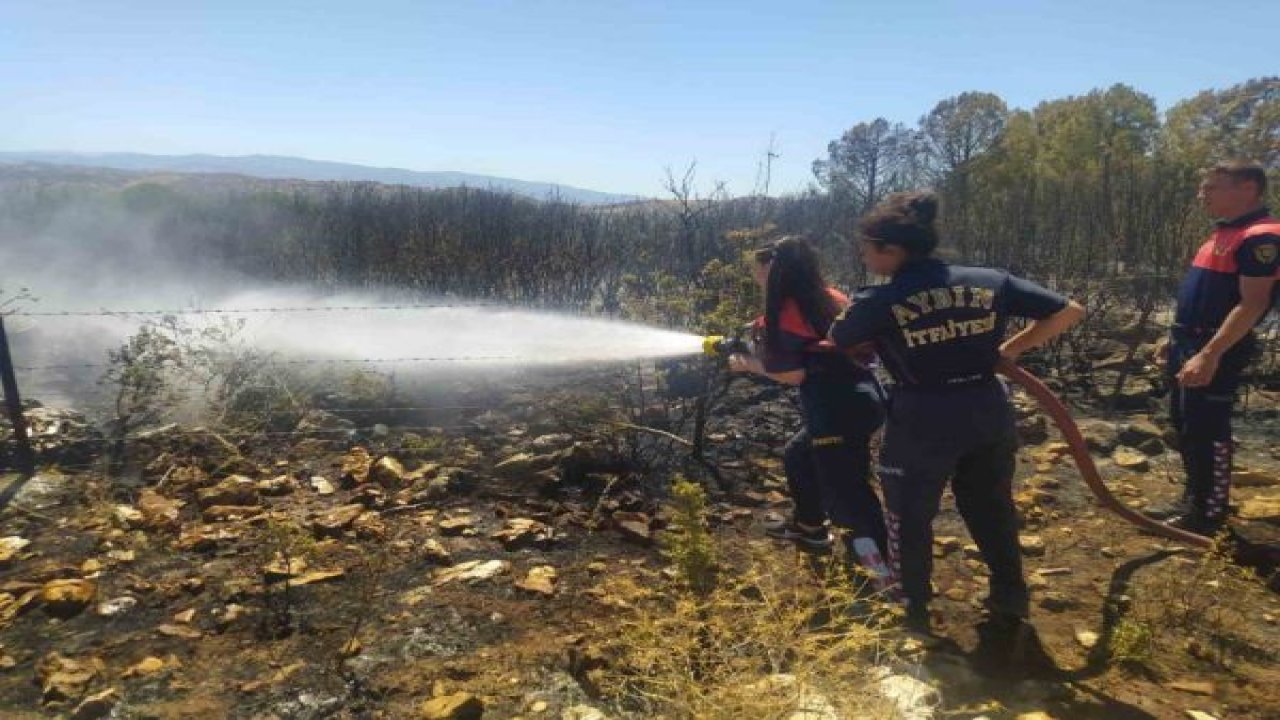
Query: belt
[(959, 382)]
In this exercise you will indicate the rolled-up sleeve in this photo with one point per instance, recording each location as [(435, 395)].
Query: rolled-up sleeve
[(864, 320)]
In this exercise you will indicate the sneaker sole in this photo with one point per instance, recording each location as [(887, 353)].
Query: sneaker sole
[(802, 540)]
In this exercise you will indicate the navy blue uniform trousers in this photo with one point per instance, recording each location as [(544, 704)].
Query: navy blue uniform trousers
[(828, 463), (966, 436), (1202, 418)]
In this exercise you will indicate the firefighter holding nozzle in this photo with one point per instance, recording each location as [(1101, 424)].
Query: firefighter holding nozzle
[(828, 462)]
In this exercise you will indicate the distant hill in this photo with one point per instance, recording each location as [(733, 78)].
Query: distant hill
[(280, 167)]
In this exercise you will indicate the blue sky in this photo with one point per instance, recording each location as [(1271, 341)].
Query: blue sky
[(602, 94)]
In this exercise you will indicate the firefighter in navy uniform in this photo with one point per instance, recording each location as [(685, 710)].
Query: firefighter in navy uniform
[(828, 462), (939, 330), (1228, 290)]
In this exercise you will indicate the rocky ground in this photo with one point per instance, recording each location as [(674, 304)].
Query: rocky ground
[(352, 568)]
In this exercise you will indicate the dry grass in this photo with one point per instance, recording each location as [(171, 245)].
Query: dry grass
[(764, 639), (1201, 606)]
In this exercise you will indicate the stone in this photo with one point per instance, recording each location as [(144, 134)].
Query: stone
[(126, 516), (1130, 459), (1151, 447), (805, 703), (1263, 507), (321, 485), (67, 598), (179, 631), (149, 665), (1140, 431), (277, 486), (1032, 545), (457, 706), (524, 465), (435, 553), (229, 513), (913, 698), (1247, 477), (236, 490), (13, 605), (1033, 430), (317, 576), (370, 526), (944, 545), (158, 511), (1038, 715), (554, 441), (337, 520), (1087, 638), (10, 547), (1054, 601), (956, 593), (1200, 715), (1193, 687), (540, 580), (116, 607), (205, 538), (473, 571), (634, 527), (388, 472), (96, 706), (461, 525), (62, 678), (356, 466), (278, 569), (1100, 435), (524, 532)]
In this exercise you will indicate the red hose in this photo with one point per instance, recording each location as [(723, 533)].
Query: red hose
[(1084, 461), (1066, 425)]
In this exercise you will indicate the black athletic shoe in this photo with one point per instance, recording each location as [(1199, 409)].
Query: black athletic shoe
[(818, 539), (1197, 523)]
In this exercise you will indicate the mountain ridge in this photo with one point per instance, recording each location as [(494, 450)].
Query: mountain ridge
[(284, 167)]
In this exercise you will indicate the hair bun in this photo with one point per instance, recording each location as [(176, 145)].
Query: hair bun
[(924, 206)]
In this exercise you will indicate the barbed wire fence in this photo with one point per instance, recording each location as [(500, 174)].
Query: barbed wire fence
[(29, 448)]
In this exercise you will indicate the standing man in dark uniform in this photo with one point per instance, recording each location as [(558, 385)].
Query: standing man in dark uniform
[(1225, 294), (939, 330)]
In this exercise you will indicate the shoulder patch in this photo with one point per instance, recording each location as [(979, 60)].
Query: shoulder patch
[(1266, 252)]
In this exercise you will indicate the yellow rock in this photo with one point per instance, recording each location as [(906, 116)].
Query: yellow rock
[(458, 706), (11, 546), (65, 598), (1263, 507), (147, 666), (540, 580), (1254, 478)]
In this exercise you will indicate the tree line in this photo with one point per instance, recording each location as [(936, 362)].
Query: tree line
[(1077, 191)]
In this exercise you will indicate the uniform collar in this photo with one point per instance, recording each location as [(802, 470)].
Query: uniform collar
[(916, 265), (1248, 218)]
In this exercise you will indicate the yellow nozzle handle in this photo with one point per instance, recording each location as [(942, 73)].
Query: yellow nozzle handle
[(711, 344)]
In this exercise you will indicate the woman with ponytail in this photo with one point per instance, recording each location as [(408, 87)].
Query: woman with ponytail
[(828, 461), (939, 330)]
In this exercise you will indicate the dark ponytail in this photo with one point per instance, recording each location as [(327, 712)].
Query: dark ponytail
[(795, 274), (904, 219)]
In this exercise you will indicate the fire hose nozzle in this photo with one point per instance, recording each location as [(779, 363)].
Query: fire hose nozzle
[(719, 345)]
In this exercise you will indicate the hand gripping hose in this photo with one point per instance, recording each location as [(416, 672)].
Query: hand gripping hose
[(1066, 425)]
